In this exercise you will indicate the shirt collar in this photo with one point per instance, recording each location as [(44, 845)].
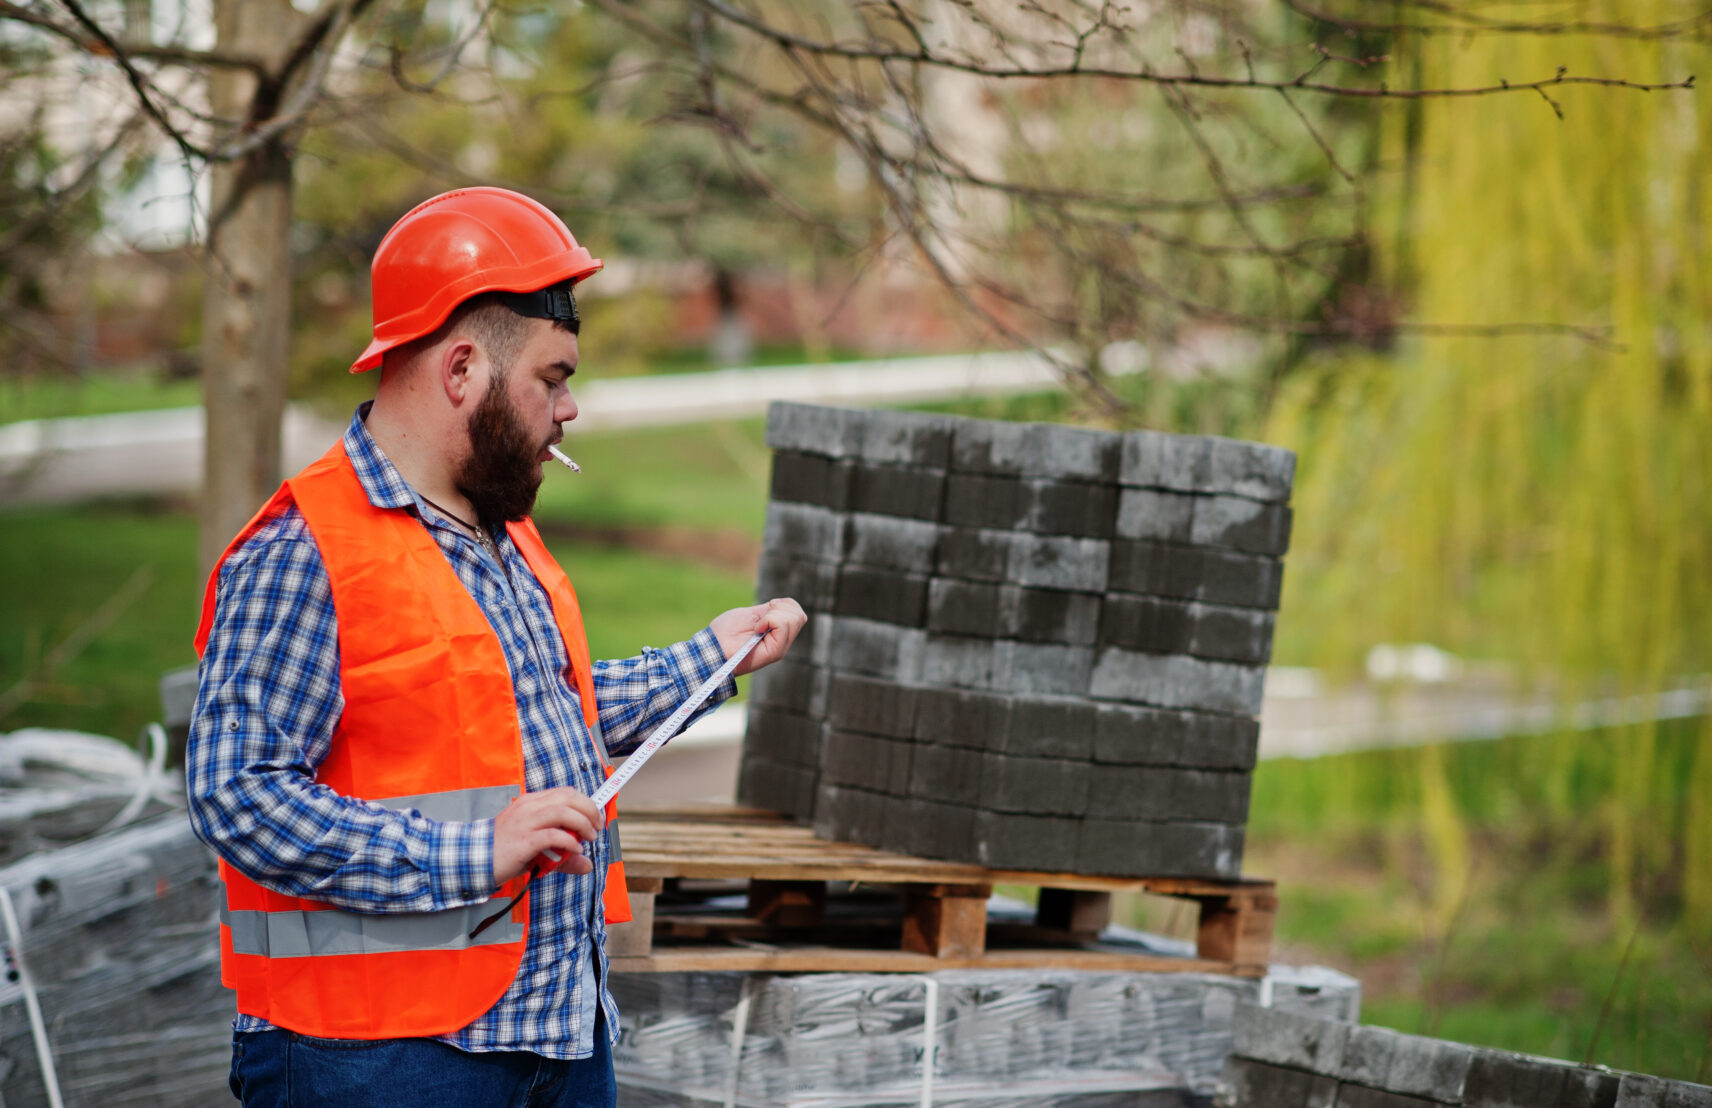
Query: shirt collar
[(385, 486)]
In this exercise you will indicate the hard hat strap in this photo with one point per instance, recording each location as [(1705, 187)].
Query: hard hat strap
[(555, 303)]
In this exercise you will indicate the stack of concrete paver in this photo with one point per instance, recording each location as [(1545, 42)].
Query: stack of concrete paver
[(1296, 1060), (1031, 646)]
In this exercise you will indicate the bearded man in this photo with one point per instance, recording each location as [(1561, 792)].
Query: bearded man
[(398, 727)]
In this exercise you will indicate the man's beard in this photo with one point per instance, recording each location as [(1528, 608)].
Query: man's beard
[(502, 473)]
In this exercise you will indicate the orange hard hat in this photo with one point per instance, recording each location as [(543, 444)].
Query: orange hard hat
[(458, 245)]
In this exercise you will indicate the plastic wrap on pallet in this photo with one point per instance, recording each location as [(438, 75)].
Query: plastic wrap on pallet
[(118, 934), (59, 787), (1024, 1037)]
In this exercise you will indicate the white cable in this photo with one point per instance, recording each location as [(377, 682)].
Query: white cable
[(739, 1030), (148, 786), (32, 1003), (930, 1041)]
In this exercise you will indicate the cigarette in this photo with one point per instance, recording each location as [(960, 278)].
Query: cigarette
[(566, 458)]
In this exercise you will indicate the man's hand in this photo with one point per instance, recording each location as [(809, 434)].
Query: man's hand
[(560, 820), (780, 619)]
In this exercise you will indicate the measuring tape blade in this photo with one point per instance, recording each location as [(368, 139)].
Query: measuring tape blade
[(667, 730)]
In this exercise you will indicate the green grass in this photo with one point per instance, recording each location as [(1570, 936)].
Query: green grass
[(709, 475), (59, 565), (52, 397)]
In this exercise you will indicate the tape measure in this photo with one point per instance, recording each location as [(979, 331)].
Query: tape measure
[(668, 730)]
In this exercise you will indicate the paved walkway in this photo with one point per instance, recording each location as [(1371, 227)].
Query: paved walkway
[(160, 453)]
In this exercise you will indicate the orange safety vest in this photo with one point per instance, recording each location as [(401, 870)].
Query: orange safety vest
[(430, 723)]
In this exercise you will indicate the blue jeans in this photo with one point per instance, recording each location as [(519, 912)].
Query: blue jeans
[(282, 1069)]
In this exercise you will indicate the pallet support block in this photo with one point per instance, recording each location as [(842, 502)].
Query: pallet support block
[(788, 903), (1082, 912), (946, 921), (635, 939), (1238, 928)]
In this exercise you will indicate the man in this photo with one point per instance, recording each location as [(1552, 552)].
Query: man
[(398, 727)]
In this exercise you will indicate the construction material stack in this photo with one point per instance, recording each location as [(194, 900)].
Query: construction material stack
[(1031, 646)]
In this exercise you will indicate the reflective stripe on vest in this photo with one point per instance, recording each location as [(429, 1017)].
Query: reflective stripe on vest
[(296, 933)]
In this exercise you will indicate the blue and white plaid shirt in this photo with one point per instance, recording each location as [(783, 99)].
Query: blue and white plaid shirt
[(265, 712)]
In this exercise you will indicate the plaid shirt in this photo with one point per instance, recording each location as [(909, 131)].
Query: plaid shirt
[(265, 712)]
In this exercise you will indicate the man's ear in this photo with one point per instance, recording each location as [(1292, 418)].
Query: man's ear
[(462, 368)]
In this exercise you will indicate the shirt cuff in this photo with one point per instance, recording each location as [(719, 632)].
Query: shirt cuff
[(461, 861), (706, 656)]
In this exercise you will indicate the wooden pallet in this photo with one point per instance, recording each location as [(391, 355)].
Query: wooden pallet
[(937, 918)]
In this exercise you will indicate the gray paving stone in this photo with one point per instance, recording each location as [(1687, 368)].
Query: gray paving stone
[(783, 737), (1156, 515), (812, 479), (1641, 1091), (1049, 615), (1125, 848), (1036, 786), (1004, 840), (936, 830), (1501, 1079), (1071, 508), (890, 542), (1249, 1084), (1238, 524), (1251, 469), (908, 438), (780, 788), (946, 774), (1191, 573), (881, 594), (848, 815), (791, 686), (985, 500), (991, 446), (811, 583), (1177, 681), (1048, 727), (868, 762), (1134, 735), (877, 649), (916, 492), (1289, 1039), (813, 429), (963, 718), (964, 662), (1360, 1096), (1159, 625), (1156, 460), (872, 706), (1059, 562), (814, 642), (1165, 793), (977, 554), (1078, 453), (1051, 668), (965, 607), (1415, 1064), (804, 531)]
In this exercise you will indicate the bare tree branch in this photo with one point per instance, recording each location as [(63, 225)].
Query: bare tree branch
[(139, 83), (879, 52)]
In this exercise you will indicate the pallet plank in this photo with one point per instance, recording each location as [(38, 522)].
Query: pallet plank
[(786, 870)]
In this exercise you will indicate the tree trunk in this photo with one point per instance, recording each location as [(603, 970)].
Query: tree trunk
[(246, 311)]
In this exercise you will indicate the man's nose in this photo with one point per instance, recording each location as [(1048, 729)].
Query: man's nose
[(566, 409)]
